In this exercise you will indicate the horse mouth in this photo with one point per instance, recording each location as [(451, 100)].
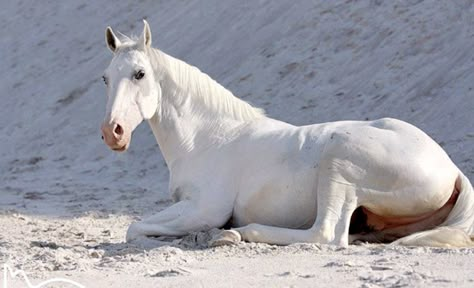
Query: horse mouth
[(120, 149)]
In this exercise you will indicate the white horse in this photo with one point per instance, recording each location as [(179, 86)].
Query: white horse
[(334, 183)]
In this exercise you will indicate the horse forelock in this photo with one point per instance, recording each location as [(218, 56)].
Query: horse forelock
[(127, 43)]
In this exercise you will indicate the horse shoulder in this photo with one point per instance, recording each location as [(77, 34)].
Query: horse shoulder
[(202, 176)]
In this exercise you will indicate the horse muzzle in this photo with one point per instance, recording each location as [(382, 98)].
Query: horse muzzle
[(116, 136)]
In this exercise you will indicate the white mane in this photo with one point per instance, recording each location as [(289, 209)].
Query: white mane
[(127, 42), (189, 80)]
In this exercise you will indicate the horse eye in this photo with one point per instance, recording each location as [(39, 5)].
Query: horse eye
[(139, 75), (105, 79)]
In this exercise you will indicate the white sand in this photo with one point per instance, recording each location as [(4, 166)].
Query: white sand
[(66, 201), (90, 250)]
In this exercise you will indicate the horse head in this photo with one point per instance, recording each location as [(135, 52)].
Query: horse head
[(133, 95)]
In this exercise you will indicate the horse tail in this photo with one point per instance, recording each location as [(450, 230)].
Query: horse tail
[(458, 228)]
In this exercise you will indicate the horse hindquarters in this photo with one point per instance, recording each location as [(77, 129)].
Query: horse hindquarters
[(458, 228)]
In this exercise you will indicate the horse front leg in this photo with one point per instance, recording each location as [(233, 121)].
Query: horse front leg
[(177, 220)]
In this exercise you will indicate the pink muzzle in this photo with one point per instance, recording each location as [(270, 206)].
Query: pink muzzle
[(116, 136)]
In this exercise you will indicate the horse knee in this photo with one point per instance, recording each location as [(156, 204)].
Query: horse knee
[(133, 232)]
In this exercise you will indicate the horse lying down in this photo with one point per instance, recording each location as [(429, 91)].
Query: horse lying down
[(332, 183)]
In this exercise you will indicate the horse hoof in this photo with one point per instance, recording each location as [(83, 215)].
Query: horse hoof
[(226, 237)]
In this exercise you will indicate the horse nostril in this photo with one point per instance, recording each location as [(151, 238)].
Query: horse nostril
[(118, 130), (102, 137)]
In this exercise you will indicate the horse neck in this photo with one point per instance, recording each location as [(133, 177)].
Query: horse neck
[(195, 112)]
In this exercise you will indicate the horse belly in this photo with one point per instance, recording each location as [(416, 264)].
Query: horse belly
[(282, 203)]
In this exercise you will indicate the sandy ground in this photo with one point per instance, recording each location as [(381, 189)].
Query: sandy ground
[(90, 250), (66, 201)]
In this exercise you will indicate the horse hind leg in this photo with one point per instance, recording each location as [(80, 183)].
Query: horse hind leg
[(457, 229)]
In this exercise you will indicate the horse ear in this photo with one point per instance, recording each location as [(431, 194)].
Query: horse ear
[(112, 41), (145, 39)]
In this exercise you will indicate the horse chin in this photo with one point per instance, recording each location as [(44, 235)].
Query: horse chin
[(121, 148)]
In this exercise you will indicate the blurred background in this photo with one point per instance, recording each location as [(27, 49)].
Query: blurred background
[(302, 61)]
